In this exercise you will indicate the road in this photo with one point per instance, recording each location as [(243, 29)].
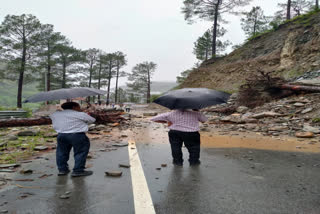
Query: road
[(229, 180)]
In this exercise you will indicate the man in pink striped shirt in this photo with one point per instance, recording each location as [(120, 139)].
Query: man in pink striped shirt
[(184, 128)]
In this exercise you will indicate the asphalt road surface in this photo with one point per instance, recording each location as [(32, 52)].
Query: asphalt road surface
[(231, 180)]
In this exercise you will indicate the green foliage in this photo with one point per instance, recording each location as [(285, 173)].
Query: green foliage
[(254, 22), (316, 120), (155, 96), (210, 10), (19, 42), (141, 78), (183, 76)]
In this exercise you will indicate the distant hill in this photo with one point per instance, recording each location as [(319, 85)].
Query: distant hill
[(8, 93), (158, 87)]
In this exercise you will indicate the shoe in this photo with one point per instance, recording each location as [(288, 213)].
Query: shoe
[(62, 173), (195, 163), (177, 163), (83, 173)]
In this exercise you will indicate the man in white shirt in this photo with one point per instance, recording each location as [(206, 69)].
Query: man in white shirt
[(71, 125)]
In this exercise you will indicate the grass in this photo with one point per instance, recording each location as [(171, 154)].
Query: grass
[(13, 151)]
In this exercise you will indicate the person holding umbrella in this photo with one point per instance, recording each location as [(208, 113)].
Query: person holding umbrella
[(184, 124), (184, 128), (71, 125)]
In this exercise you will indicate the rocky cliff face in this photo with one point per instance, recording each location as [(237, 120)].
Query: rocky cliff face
[(290, 51)]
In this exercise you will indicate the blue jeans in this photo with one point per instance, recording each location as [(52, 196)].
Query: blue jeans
[(80, 144)]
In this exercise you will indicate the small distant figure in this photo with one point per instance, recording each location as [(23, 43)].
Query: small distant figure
[(184, 129), (127, 108)]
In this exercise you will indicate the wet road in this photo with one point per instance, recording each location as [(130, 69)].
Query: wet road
[(230, 180)]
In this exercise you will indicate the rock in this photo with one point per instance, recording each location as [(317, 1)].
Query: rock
[(9, 165), (278, 128), (124, 135), (27, 133), (120, 144), (242, 109), (304, 134), (158, 168), (124, 165), (266, 114), (64, 196), (149, 114), (115, 124), (6, 170), (91, 127), (308, 128), (50, 135), (4, 211), (100, 127), (26, 171), (12, 138), (40, 148), (306, 110), (3, 144), (163, 165), (114, 173), (298, 104)]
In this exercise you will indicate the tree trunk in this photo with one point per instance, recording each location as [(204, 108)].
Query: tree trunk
[(317, 5), (90, 73), (289, 10), (64, 71), (148, 92), (109, 82), (22, 69), (117, 77), (215, 27), (99, 78), (49, 70)]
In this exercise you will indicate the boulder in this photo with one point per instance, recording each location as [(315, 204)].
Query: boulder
[(304, 134), (28, 133), (308, 128), (149, 114), (242, 109), (266, 114)]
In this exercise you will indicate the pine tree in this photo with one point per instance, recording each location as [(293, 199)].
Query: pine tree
[(19, 41), (210, 10), (254, 22), (141, 78)]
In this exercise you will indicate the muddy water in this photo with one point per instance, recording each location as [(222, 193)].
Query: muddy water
[(154, 133), (254, 141)]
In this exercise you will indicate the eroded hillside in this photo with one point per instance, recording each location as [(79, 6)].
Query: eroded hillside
[(289, 51)]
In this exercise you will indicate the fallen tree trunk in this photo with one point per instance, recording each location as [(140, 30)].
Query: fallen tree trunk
[(102, 117), (25, 122), (300, 88)]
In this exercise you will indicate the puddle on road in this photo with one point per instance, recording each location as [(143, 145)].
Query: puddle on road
[(259, 142)]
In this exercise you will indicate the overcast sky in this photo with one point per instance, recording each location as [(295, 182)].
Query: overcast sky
[(145, 30)]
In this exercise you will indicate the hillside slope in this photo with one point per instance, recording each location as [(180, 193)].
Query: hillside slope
[(289, 51), (8, 93)]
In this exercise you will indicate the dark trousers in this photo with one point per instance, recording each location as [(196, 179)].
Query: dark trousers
[(80, 144), (190, 139)]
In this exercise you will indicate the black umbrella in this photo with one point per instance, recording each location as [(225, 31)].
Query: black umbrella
[(192, 98), (66, 93)]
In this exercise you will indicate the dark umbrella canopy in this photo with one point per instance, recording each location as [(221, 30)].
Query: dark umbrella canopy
[(66, 93), (192, 98)]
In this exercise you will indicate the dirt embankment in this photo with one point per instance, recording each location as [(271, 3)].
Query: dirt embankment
[(289, 51)]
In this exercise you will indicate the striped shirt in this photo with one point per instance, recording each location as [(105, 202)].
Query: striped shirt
[(185, 121), (70, 121)]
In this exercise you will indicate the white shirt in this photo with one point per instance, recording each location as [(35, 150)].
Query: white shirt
[(70, 121)]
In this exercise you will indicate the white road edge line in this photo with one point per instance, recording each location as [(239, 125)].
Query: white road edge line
[(141, 194)]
